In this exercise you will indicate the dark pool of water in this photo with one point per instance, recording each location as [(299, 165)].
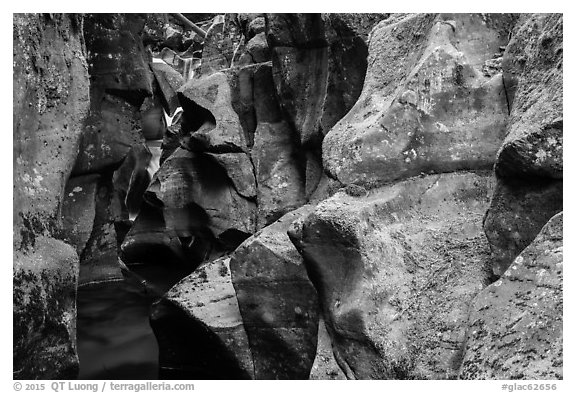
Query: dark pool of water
[(115, 340)]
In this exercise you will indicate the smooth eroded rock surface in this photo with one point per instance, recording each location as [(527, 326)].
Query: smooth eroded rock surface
[(426, 105), (277, 302), (396, 270), (200, 329)]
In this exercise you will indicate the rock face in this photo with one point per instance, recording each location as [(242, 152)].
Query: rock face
[(319, 64), (120, 80), (50, 79), (518, 210), (199, 328), (277, 302), (325, 178), (208, 112), (532, 65), (529, 163), (426, 105), (516, 323), (396, 271)]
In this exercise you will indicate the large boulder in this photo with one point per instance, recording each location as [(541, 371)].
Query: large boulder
[(426, 105), (533, 75), (277, 302), (529, 163), (208, 113), (50, 79), (396, 270), (516, 323), (199, 327)]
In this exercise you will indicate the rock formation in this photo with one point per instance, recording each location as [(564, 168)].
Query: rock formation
[(50, 79), (396, 270), (426, 105), (529, 162), (516, 323), (351, 196)]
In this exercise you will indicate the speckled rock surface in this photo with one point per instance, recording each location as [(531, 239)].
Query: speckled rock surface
[(199, 327), (50, 79), (113, 127), (426, 105), (396, 270), (120, 80), (277, 301), (516, 323), (44, 300), (117, 59), (517, 212), (533, 75), (529, 163)]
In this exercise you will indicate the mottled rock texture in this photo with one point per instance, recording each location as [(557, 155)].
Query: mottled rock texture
[(529, 163), (396, 270), (120, 80), (518, 210), (199, 327), (532, 65), (50, 103), (426, 105), (516, 323), (277, 302)]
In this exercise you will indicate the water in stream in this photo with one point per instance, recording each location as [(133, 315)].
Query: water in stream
[(115, 340)]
